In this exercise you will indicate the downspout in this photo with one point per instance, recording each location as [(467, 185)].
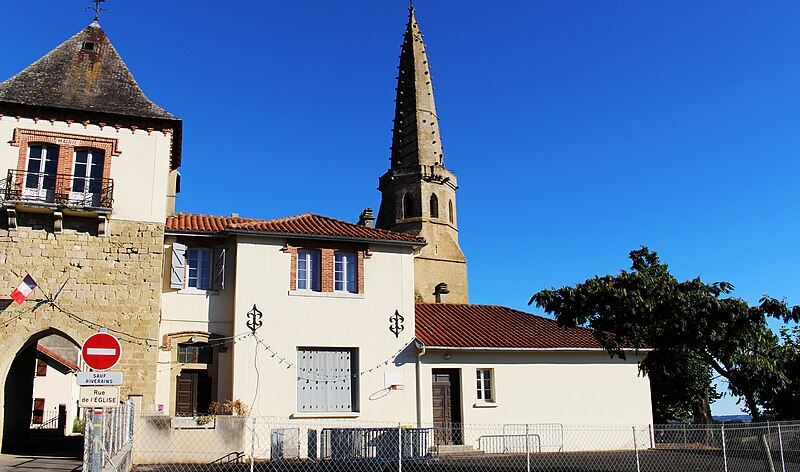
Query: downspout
[(421, 347)]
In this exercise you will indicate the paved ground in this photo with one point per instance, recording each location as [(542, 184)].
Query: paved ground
[(9, 462), (58, 454)]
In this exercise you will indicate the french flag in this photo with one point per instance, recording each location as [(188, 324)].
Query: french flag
[(27, 287)]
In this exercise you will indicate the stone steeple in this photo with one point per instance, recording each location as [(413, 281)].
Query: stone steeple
[(418, 194)]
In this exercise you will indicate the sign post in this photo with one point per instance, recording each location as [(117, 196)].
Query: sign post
[(101, 351)]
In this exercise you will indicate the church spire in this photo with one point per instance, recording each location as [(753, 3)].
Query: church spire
[(415, 139), (418, 194)]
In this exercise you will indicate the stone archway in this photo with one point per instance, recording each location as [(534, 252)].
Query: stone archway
[(20, 367)]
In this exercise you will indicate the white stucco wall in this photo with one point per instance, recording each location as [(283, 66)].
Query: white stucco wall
[(585, 388), (293, 320), (188, 310), (57, 389), (140, 172)]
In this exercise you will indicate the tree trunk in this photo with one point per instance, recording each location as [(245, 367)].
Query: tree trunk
[(750, 401), (701, 410)]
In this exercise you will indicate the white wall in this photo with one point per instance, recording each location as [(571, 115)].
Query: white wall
[(291, 321), (187, 310), (140, 172), (56, 389), (546, 387)]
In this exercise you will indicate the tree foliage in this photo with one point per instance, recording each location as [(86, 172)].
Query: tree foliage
[(690, 324)]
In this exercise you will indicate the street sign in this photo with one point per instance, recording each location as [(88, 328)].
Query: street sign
[(99, 397), (99, 378), (101, 351)]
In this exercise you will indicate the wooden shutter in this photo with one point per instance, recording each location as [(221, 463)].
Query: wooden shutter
[(38, 411), (177, 273), (325, 381), (218, 269), (41, 367)]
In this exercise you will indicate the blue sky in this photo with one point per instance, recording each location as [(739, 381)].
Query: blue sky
[(578, 130)]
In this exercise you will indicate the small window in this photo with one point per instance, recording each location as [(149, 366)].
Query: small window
[(485, 387), (87, 46), (344, 272), (434, 206), (41, 367), (409, 206), (451, 213), (198, 268), (194, 353), (308, 267)]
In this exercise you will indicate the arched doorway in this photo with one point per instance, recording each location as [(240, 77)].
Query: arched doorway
[(40, 397)]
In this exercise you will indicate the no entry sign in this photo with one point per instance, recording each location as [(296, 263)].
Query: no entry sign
[(101, 351)]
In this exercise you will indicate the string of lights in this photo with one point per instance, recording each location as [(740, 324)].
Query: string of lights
[(324, 377)]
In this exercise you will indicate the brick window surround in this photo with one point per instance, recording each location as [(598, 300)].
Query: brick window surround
[(327, 252), (67, 144)]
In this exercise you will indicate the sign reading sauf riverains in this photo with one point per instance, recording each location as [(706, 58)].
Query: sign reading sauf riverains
[(101, 351)]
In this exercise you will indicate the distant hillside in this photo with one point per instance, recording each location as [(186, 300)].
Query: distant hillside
[(726, 418)]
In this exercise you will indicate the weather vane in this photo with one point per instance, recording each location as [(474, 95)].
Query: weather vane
[(97, 8)]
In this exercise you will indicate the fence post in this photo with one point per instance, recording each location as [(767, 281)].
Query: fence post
[(253, 443), (96, 463), (636, 451), (528, 447), (724, 452), (780, 443), (399, 447)]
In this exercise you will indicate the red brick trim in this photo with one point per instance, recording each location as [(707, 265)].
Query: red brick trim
[(171, 338), (67, 143), (327, 261)]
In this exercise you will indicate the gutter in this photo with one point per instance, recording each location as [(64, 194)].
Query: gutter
[(316, 237), (530, 349), (422, 348)]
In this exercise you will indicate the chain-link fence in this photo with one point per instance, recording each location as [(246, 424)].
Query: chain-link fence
[(212, 443)]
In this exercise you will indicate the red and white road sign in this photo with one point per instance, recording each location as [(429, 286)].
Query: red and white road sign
[(101, 351)]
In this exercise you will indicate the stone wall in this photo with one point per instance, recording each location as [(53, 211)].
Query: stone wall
[(112, 281)]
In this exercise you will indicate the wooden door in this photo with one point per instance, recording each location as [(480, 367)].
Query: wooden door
[(193, 393), (186, 398), (38, 411), (442, 409)]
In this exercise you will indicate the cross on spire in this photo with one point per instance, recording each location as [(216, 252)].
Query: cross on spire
[(97, 9)]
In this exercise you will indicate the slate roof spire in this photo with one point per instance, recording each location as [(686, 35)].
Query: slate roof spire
[(84, 72), (415, 138)]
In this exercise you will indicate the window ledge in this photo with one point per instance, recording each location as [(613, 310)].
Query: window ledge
[(485, 405), (321, 414), (194, 291), (311, 293)]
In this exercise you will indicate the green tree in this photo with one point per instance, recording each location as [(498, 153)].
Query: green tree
[(690, 325)]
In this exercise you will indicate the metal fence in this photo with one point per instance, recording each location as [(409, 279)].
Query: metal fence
[(164, 443), (108, 438)]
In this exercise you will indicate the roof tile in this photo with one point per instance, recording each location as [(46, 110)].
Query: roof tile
[(491, 326), (307, 224)]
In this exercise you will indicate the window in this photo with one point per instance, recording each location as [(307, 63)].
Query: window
[(195, 353), (409, 206), (485, 391), (434, 206), (308, 270), (41, 170), (197, 268), (87, 174), (451, 212), (344, 272), (41, 367), (327, 380)]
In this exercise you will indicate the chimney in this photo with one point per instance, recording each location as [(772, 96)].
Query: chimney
[(441, 293), (367, 218)]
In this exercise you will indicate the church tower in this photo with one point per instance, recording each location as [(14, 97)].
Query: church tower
[(418, 194)]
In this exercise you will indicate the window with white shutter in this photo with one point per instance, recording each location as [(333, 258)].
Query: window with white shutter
[(327, 380)]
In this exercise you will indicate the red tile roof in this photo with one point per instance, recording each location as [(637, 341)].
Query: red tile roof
[(491, 326), (307, 224), (65, 362)]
